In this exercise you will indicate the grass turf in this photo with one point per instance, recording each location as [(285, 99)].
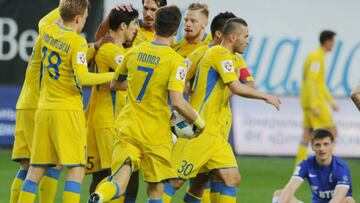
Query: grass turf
[(260, 177)]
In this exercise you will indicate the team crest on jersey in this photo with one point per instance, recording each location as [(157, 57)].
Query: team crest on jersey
[(227, 66), (181, 73), (81, 58), (119, 58)]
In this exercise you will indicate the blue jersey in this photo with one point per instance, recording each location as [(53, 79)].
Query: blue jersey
[(324, 179)]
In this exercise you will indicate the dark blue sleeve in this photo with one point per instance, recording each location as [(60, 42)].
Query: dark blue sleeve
[(301, 170), (343, 176)]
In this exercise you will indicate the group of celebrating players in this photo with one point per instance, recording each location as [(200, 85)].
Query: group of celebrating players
[(126, 125)]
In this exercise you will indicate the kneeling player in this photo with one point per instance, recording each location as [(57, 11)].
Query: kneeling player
[(327, 175)]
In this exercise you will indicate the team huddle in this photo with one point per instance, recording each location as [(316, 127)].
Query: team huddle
[(139, 76)]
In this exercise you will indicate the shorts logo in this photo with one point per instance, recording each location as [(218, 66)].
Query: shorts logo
[(118, 59), (81, 58), (227, 66), (181, 73)]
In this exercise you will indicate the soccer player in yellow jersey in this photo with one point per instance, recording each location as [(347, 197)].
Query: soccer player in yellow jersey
[(355, 96), (59, 132), (24, 130), (210, 151), (100, 112), (245, 77), (196, 20), (152, 72), (315, 94)]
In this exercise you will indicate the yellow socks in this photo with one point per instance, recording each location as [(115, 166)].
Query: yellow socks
[(302, 153), (108, 191), (215, 189), (71, 192), (168, 193), (191, 198), (16, 185), (48, 185), (228, 194), (206, 194), (28, 191)]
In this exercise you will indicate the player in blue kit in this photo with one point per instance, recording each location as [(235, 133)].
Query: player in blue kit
[(328, 175)]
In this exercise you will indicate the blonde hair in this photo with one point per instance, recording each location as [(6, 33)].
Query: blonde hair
[(71, 8), (204, 9)]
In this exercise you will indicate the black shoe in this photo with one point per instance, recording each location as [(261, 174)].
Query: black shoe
[(94, 198)]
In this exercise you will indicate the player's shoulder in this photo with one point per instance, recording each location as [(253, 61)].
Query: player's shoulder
[(111, 49), (206, 38), (309, 162), (218, 51), (340, 163)]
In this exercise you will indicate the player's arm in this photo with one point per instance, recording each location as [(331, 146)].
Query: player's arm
[(289, 191), (246, 78), (242, 90), (339, 193), (119, 82), (176, 87), (80, 67), (355, 96)]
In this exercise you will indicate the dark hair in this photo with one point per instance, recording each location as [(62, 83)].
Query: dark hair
[(71, 8), (326, 35), (160, 3), (217, 24), (167, 20), (321, 133), (232, 24), (116, 17)]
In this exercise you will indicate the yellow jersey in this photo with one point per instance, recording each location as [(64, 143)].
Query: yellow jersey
[(194, 58), (100, 110), (64, 69), (152, 70), (29, 95), (314, 91), (184, 48), (143, 35), (211, 96)]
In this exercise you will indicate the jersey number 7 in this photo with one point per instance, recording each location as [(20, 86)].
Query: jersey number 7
[(149, 72)]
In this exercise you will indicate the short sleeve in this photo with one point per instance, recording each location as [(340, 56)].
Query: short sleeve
[(121, 70), (301, 171), (192, 61), (79, 55), (224, 65), (343, 176), (177, 76), (115, 59)]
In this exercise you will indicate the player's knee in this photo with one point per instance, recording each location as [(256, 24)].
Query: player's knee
[(349, 200), (176, 183), (25, 164), (76, 173), (232, 180)]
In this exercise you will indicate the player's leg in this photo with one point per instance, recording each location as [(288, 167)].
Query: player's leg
[(125, 160), (132, 188), (276, 198), (18, 181), (24, 130), (302, 152), (215, 186), (48, 184), (72, 187), (196, 187), (43, 155), (154, 192), (97, 177), (231, 179), (348, 200)]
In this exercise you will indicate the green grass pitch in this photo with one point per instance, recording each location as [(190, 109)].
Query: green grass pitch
[(260, 177)]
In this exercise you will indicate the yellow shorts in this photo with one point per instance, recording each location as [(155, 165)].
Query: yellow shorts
[(24, 132), (99, 149), (324, 120), (201, 155), (59, 138), (154, 160)]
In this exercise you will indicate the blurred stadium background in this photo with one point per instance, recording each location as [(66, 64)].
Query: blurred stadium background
[(282, 33)]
